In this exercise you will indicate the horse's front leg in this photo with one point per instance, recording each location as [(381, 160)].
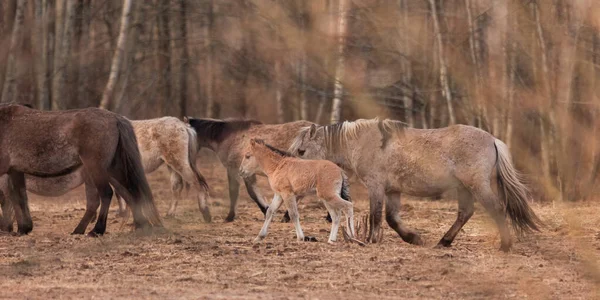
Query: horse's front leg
[(234, 192), (255, 194), (275, 204), (392, 216), (376, 196), (18, 196)]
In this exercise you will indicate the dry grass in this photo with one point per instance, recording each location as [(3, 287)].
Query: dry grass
[(194, 260)]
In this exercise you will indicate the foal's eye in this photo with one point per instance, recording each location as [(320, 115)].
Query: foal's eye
[(301, 152), (247, 156)]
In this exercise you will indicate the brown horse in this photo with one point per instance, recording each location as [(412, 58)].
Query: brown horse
[(165, 140), (390, 159), (229, 139), (53, 144), (291, 177)]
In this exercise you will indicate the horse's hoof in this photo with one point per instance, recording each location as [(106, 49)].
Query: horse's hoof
[(229, 219), (93, 234), (207, 217), (310, 239), (25, 229), (257, 240), (328, 219), (76, 233), (443, 244), (505, 248)]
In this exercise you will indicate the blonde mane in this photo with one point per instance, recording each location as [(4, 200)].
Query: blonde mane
[(338, 135)]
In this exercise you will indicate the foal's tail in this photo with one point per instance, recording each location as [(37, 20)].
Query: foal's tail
[(192, 152), (128, 163), (345, 191), (514, 193)]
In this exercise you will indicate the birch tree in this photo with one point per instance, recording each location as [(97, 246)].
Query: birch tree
[(115, 68), (9, 91), (444, 81), (62, 55), (208, 60), (338, 90), (185, 58)]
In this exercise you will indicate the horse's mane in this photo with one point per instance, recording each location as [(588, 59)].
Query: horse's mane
[(273, 149), (337, 135), (219, 130)]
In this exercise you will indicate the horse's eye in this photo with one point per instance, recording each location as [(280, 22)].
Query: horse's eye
[(301, 152)]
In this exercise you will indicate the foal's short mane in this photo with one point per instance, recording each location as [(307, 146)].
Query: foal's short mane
[(219, 130), (273, 149)]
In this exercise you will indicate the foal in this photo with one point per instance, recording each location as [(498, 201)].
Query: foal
[(291, 177)]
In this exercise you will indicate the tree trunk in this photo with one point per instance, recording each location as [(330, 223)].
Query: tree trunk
[(185, 59), (40, 42), (512, 65), (338, 90), (118, 56), (164, 55), (444, 81), (208, 61), (9, 92), (84, 52), (278, 93), (406, 67), (63, 53)]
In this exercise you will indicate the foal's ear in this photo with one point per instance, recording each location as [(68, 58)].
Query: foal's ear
[(186, 120), (312, 131)]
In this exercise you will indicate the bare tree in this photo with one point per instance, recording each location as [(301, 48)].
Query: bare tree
[(85, 48), (62, 54), (336, 108), (185, 58), (444, 81), (9, 91), (208, 60)]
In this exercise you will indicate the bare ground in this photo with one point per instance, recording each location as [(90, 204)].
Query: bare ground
[(194, 260)]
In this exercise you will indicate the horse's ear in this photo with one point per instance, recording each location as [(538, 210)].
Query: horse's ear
[(186, 120), (27, 105), (312, 131)]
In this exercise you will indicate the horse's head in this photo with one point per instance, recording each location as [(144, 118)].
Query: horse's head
[(249, 165), (310, 143)]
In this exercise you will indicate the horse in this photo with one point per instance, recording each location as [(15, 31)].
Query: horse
[(390, 158), (99, 143), (292, 177), (229, 138), (165, 140)]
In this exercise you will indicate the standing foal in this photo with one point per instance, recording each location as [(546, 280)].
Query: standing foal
[(291, 177)]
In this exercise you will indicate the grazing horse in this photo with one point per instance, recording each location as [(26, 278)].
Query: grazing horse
[(97, 142), (290, 177), (390, 159), (165, 140), (229, 138)]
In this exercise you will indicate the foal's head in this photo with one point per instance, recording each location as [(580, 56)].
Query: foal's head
[(250, 164), (310, 143)]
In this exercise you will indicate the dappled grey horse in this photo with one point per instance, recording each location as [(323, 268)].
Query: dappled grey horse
[(390, 159)]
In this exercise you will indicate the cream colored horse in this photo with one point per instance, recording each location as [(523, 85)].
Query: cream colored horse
[(390, 159), (165, 140), (291, 177)]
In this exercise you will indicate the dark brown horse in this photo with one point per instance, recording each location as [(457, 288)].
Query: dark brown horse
[(50, 144)]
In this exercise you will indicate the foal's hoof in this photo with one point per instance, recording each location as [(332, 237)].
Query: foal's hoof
[(310, 239), (93, 234), (328, 218), (257, 240)]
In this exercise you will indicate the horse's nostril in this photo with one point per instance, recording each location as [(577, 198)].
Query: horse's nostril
[(301, 152)]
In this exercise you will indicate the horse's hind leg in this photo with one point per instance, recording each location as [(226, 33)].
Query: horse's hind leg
[(99, 177), (465, 211), (18, 196), (7, 218), (92, 204), (190, 177), (483, 193), (292, 208), (176, 188), (275, 204), (255, 194), (392, 216), (122, 206)]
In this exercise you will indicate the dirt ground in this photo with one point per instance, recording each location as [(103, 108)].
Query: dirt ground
[(194, 260)]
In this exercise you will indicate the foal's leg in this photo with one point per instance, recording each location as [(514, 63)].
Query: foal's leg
[(176, 188), (335, 221), (483, 192), (275, 204), (392, 216), (18, 196), (292, 208), (92, 204), (465, 211), (234, 192)]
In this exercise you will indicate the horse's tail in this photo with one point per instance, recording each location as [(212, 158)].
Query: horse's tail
[(513, 193), (128, 163), (192, 153), (345, 190)]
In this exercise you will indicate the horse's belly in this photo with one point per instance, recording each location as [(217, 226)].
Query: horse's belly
[(54, 186), (424, 185)]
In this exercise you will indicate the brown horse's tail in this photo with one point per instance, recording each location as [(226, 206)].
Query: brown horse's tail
[(345, 191), (128, 163), (514, 194), (192, 152)]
